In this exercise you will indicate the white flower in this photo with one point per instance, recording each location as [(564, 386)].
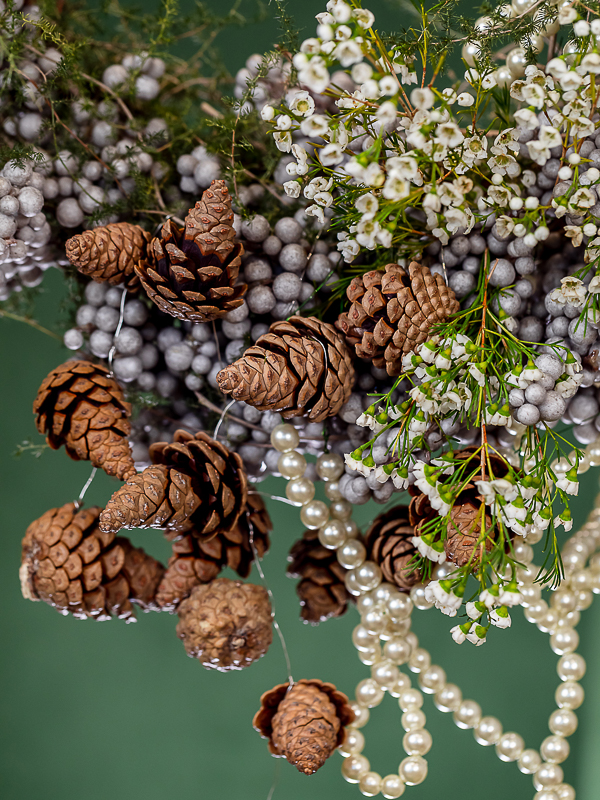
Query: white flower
[(387, 112), (510, 595), (364, 17), (267, 113), (441, 595), (527, 119), (425, 547), (388, 85), (301, 103), (569, 483), (361, 72), (315, 211), (581, 28), (283, 122), (534, 95), (500, 617), (549, 136), (395, 188), (283, 141), (324, 199), (315, 125), (458, 634), (477, 635), (292, 189), (348, 53), (490, 597), (331, 154), (367, 204), (556, 67), (403, 166), (422, 98), (400, 481), (566, 14), (341, 11), (465, 99), (315, 75), (473, 611), (538, 152), (594, 285), (449, 134)]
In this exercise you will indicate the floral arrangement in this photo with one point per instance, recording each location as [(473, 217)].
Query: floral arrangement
[(363, 270)]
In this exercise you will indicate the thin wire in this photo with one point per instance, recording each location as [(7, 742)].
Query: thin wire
[(276, 497), (272, 599), (86, 486), (113, 349), (222, 417), (276, 777)]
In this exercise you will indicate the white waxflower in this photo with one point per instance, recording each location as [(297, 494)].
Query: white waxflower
[(343, 32), (315, 211), (556, 67), (395, 188), (331, 154), (569, 483), (399, 480), (341, 11), (594, 285), (456, 219), (292, 188), (315, 75), (283, 122), (583, 127), (361, 72), (348, 52), (574, 233), (315, 125), (534, 94), (432, 202), (324, 199), (566, 14), (473, 611), (500, 617), (317, 185), (267, 113), (425, 545), (364, 17), (283, 141), (301, 103), (489, 81), (367, 204), (387, 112), (510, 595), (388, 85), (581, 28), (571, 290), (422, 98), (449, 134), (349, 248), (591, 63), (441, 595), (404, 166), (477, 635), (325, 18), (458, 634), (465, 99), (527, 119), (310, 47), (538, 152), (549, 136)]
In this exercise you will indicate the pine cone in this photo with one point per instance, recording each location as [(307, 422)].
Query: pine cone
[(389, 544), (302, 367), (322, 590), (304, 723), (69, 563), (226, 624), (392, 312), (81, 406), (196, 561), (190, 272), (109, 253), (195, 484), (463, 528)]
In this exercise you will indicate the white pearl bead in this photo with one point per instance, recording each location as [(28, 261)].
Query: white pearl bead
[(564, 792), (397, 649), (401, 628), (410, 700), (563, 722), (419, 660), (370, 656), (571, 667), (471, 52), (564, 641), (488, 731), (370, 784), (523, 553), (417, 595), (368, 575), (570, 620), (368, 693), (332, 490), (351, 554), (385, 674), (353, 743), (535, 612), (516, 61), (545, 794), (413, 720), (467, 715), (412, 638), (449, 698), (504, 76), (366, 602), (333, 534), (580, 580), (314, 514), (354, 767), (563, 600), (341, 509), (531, 593), (361, 715), (534, 535), (351, 583), (509, 747), (549, 622), (392, 787), (555, 749), (330, 466), (401, 685), (417, 743), (374, 621), (363, 640), (399, 606), (292, 464), (529, 761), (285, 437), (413, 770), (432, 680), (569, 695), (522, 6), (547, 775), (301, 491), (351, 528), (585, 597)]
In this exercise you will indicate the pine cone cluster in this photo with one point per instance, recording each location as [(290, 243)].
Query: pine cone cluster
[(81, 407), (196, 560), (463, 529), (392, 312), (195, 483), (191, 272), (109, 253), (304, 723), (389, 544), (69, 563), (321, 590), (301, 367), (226, 624)]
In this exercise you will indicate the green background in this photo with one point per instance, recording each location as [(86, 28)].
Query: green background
[(91, 710)]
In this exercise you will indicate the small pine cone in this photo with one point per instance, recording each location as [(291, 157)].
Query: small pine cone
[(191, 272), (195, 483), (392, 312), (304, 723), (81, 406), (302, 367), (109, 253), (226, 624), (69, 563), (322, 590), (389, 544), (196, 561)]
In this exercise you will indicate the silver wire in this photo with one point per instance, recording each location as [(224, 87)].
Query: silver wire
[(222, 417), (86, 486), (113, 349)]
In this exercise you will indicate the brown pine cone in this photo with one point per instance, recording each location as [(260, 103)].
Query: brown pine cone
[(302, 367), (191, 272), (322, 590), (109, 253), (463, 528), (196, 561), (392, 312), (226, 624), (304, 723), (69, 563), (195, 483), (389, 544), (81, 406)]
